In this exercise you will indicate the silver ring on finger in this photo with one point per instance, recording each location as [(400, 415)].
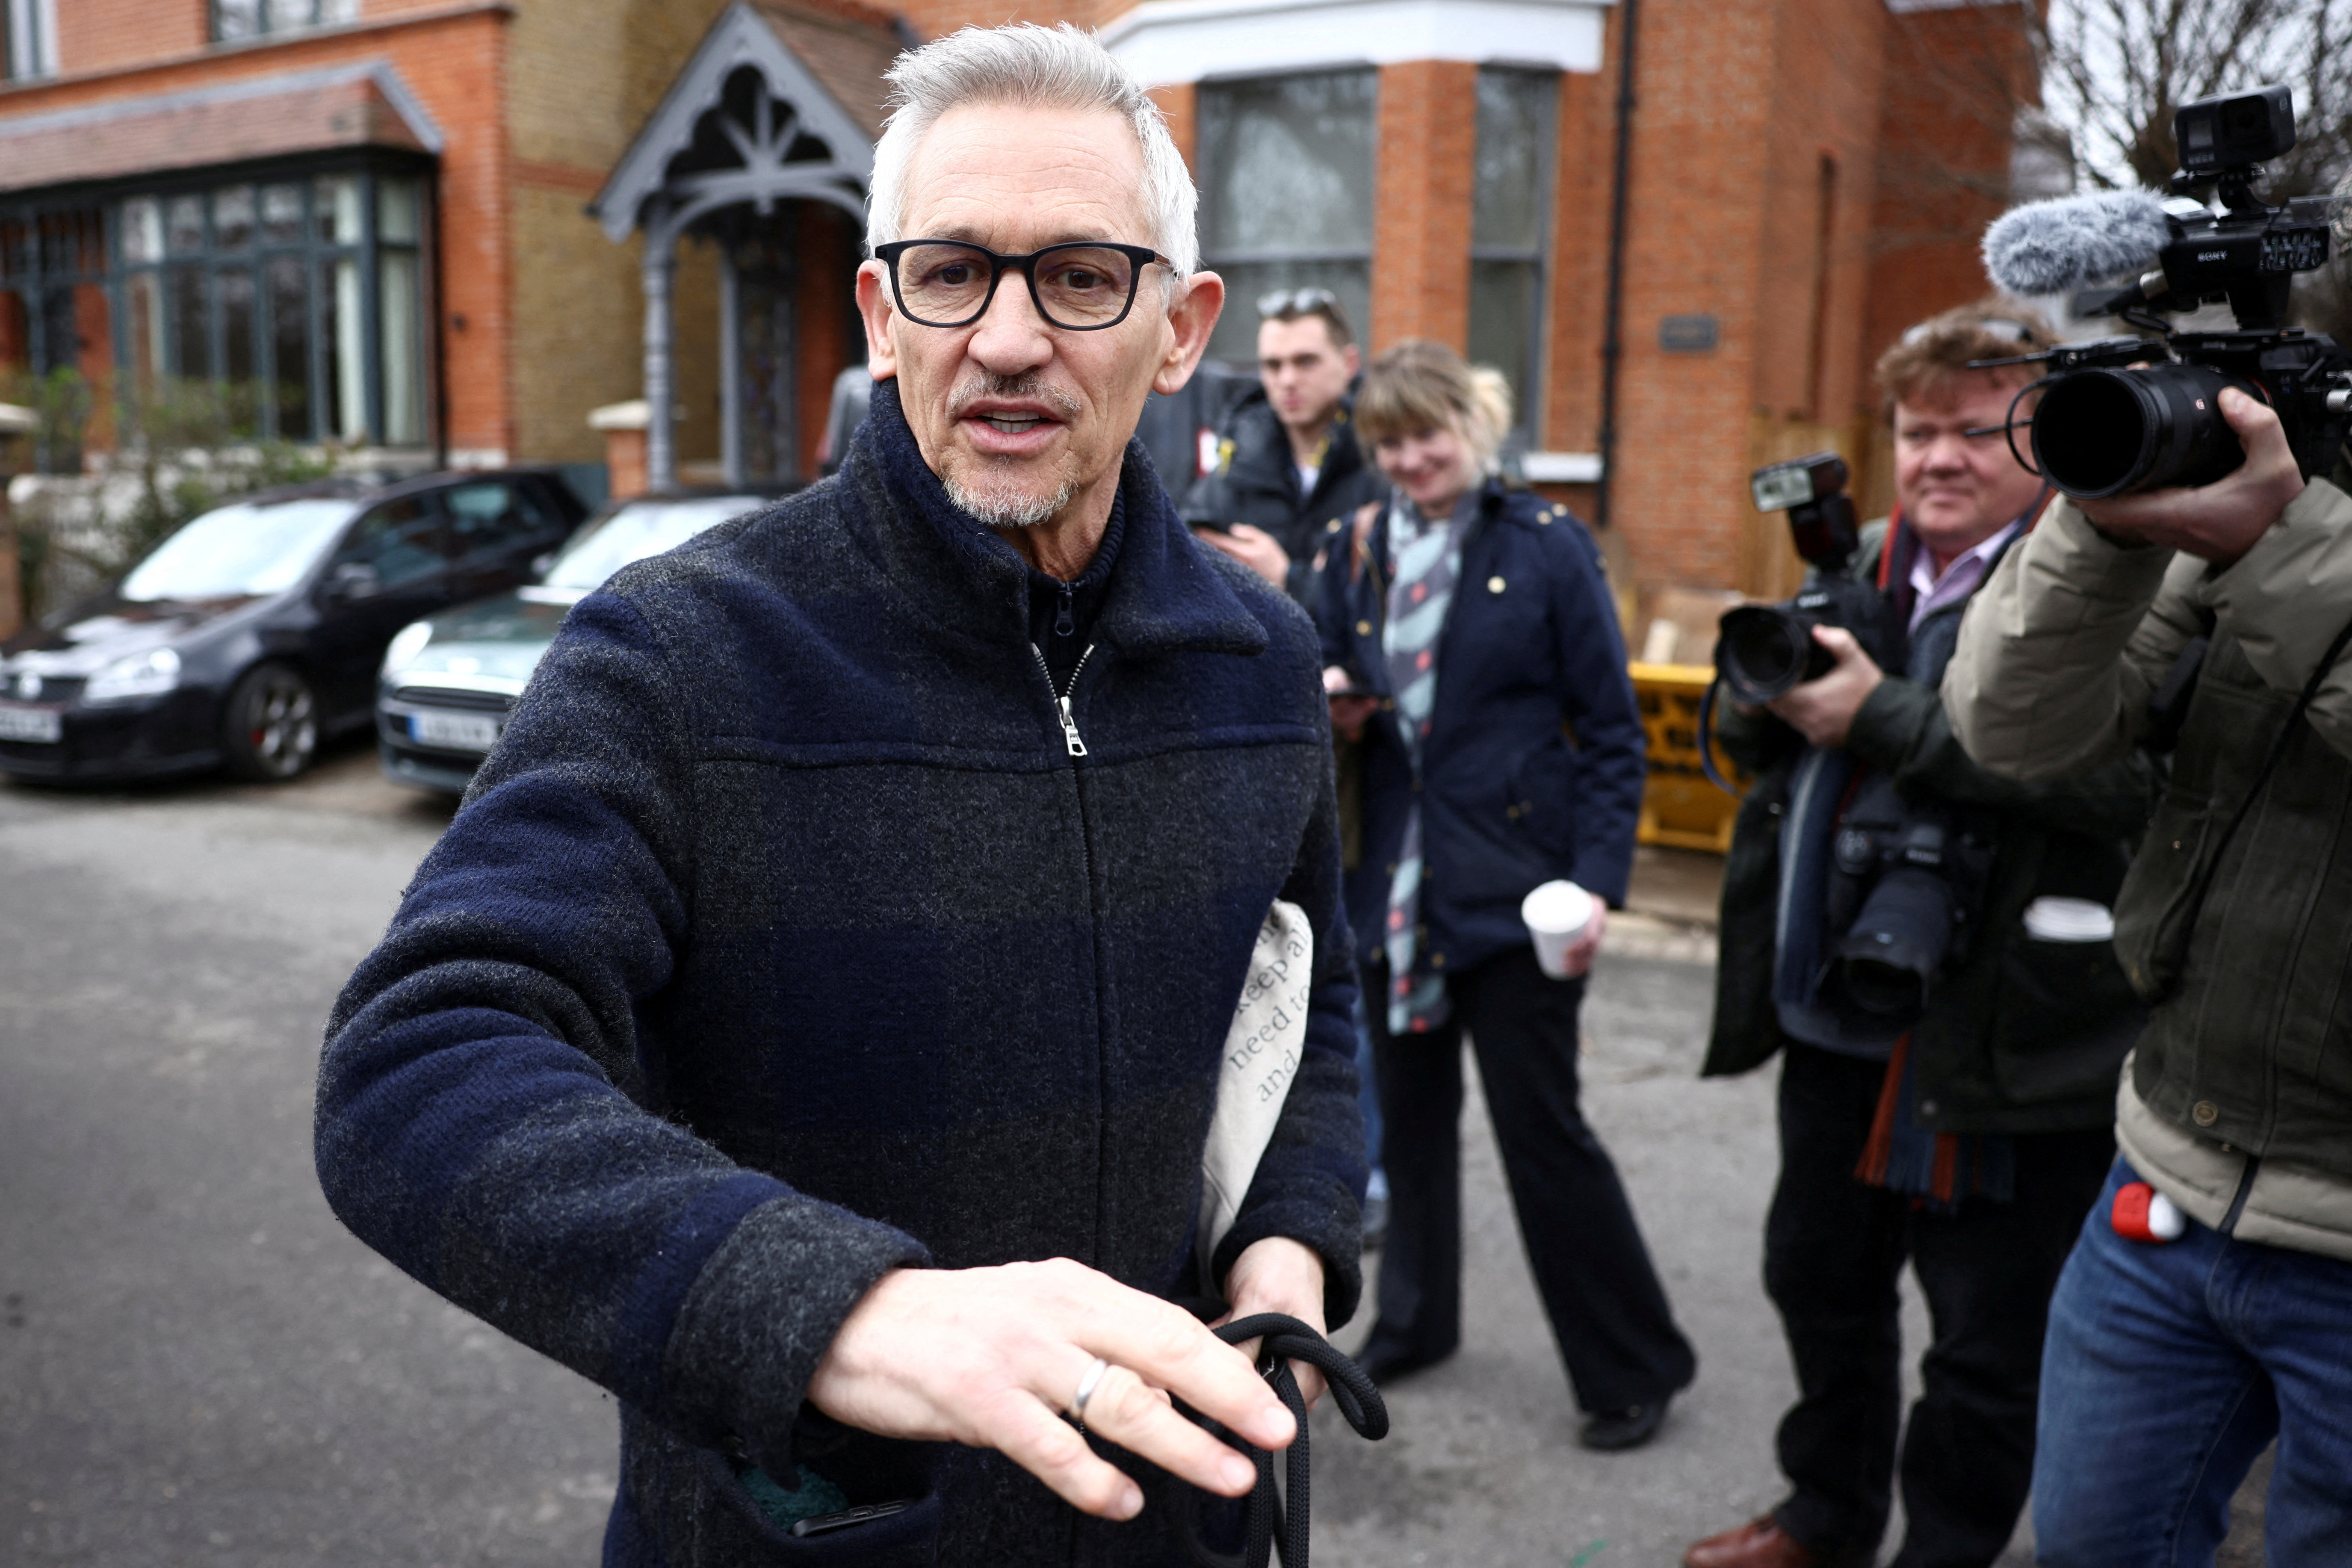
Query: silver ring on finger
[(1086, 1387)]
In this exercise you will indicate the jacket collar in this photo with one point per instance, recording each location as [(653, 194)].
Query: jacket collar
[(1164, 595)]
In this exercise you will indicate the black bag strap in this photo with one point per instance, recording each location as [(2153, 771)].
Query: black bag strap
[(1281, 1519), (2262, 777)]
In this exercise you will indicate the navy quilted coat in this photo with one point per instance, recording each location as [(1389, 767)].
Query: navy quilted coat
[(783, 941)]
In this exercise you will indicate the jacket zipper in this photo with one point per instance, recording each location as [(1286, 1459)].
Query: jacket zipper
[(1062, 697)]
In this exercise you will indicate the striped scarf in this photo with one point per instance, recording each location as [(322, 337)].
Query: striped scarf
[(1428, 557)]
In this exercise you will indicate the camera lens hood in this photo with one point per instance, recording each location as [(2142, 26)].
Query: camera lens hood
[(2104, 432)]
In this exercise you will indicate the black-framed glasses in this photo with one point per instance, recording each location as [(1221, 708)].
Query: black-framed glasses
[(1080, 286), (1294, 302)]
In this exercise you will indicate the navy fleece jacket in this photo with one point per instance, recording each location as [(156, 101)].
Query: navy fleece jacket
[(781, 941)]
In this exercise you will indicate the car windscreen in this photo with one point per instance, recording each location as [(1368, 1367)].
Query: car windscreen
[(639, 529), (240, 550)]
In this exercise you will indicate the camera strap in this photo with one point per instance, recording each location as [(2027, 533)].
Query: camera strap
[(2263, 777)]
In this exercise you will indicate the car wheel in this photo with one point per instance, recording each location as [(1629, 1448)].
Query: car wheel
[(270, 729)]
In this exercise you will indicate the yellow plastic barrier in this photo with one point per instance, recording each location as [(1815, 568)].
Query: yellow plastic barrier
[(1680, 809)]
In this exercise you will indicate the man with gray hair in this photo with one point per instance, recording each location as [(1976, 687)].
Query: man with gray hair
[(809, 1028)]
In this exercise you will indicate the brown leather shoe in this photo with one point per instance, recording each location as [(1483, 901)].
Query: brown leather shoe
[(1759, 1543)]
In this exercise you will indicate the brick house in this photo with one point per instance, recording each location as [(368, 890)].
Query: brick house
[(448, 230)]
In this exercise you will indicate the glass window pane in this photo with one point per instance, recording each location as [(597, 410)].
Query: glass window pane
[(233, 218), (1514, 135), (1504, 311), (339, 10), (17, 241), (1287, 163), (281, 215), (184, 224), (290, 345), (494, 516), (143, 229), (233, 19), (1235, 339), (339, 209), (285, 14), (234, 288), (191, 327), (400, 541), (346, 345), (403, 350), (395, 211)]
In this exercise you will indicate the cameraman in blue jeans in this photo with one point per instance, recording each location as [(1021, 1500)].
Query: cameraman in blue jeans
[(2170, 1364)]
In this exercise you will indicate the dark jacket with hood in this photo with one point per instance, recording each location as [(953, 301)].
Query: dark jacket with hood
[(1533, 768), (2021, 1036), (1256, 482), (783, 941)]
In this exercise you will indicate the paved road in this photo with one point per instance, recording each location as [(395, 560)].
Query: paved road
[(199, 1366)]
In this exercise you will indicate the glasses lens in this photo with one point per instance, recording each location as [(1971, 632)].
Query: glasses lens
[(945, 284), (1083, 285)]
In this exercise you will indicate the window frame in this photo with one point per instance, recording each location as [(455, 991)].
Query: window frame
[(1219, 259), (28, 40), (1529, 414), (215, 13), (319, 257)]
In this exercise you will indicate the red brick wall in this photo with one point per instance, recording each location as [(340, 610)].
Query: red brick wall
[(1423, 186), (453, 60), (101, 34)]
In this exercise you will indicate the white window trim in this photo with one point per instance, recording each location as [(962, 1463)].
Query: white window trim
[(1166, 41)]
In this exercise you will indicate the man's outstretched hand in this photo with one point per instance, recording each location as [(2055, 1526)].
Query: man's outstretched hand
[(2220, 522), (993, 1357)]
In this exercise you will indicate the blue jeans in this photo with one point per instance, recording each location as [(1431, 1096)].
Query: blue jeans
[(2168, 1369)]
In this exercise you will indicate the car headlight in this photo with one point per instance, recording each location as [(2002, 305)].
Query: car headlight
[(149, 674), (405, 647)]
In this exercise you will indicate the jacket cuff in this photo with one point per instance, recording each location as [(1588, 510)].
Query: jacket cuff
[(2287, 598), (764, 1311), (2100, 567), (1335, 1233)]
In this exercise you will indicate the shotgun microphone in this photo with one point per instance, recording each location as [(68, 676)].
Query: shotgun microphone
[(2072, 242)]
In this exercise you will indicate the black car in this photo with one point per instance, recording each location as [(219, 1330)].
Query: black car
[(257, 629)]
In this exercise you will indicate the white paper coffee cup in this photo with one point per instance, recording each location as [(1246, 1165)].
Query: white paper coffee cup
[(1556, 914)]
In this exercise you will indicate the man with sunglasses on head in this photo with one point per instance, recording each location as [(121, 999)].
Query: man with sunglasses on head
[(810, 1026), (1288, 472), (1967, 1134)]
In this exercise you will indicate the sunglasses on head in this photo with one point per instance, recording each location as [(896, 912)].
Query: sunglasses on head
[(1992, 326)]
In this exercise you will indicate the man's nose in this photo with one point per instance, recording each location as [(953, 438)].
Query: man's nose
[(1011, 336)]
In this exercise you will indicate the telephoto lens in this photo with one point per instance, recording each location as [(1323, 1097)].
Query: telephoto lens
[(1766, 649), (2104, 432)]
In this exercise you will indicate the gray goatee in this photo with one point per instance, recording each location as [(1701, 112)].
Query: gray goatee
[(996, 497)]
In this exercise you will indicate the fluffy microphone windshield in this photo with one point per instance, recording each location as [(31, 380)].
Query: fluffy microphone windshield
[(2057, 246)]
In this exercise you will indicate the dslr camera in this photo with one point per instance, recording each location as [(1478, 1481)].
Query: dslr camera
[(2129, 414), (1907, 876), (1765, 649)]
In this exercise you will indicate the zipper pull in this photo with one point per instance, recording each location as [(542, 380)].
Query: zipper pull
[(1070, 727), (1065, 623)]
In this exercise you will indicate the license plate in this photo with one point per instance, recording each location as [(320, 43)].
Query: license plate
[(44, 724), (465, 732)]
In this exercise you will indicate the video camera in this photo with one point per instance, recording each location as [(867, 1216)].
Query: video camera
[(2138, 413)]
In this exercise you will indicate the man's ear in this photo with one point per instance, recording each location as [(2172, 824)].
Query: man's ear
[(1351, 359), (1191, 319), (873, 309)]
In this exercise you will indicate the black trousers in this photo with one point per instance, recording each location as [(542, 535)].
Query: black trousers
[(1833, 1249), (1608, 1311)]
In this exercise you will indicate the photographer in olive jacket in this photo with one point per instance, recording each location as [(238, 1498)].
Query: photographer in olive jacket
[(2173, 1363), (1968, 1135)]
